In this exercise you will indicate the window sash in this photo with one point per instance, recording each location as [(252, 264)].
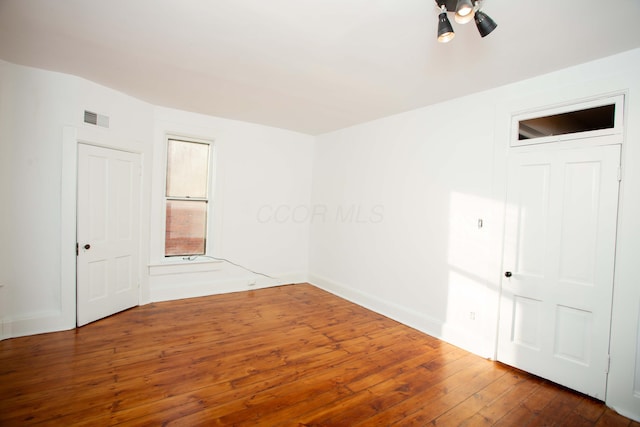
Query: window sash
[(188, 166), (187, 169), (186, 227)]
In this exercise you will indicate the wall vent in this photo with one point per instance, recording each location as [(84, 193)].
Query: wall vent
[(96, 119)]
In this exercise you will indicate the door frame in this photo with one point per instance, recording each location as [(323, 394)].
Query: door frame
[(71, 137), (581, 140)]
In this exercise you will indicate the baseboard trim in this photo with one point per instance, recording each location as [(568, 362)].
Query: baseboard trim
[(407, 316), (402, 314), (37, 323), (222, 286)]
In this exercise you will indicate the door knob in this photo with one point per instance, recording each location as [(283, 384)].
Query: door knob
[(507, 274), (87, 246)]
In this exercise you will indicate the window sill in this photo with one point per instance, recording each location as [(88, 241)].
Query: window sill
[(181, 267)]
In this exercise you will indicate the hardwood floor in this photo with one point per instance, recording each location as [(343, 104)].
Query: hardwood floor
[(291, 355)]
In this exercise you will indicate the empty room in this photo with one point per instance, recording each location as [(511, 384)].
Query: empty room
[(319, 212)]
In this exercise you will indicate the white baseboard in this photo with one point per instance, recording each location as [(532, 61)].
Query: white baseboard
[(222, 286), (54, 321), (5, 328), (396, 312), (37, 323), (407, 316), (44, 322)]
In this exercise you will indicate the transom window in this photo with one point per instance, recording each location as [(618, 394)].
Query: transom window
[(584, 120), (187, 197), (596, 118)]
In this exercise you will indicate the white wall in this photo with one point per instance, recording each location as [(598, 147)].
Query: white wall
[(31, 139), (41, 120), (257, 169), (433, 173), (421, 182), (41, 123)]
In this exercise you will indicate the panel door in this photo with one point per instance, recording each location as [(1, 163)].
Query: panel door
[(108, 216), (558, 258)]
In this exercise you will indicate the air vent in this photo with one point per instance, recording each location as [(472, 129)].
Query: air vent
[(91, 118), (96, 119)]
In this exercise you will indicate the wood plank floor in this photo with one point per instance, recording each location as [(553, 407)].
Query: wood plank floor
[(291, 355)]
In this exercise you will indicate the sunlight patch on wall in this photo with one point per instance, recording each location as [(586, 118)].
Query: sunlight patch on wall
[(472, 297)]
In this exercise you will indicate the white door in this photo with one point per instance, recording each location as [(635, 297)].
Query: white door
[(108, 229), (559, 252)]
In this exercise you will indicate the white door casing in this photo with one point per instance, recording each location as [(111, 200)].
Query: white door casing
[(108, 229), (560, 236)]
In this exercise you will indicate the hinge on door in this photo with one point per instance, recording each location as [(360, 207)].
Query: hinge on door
[(608, 364), (77, 249), (619, 173)]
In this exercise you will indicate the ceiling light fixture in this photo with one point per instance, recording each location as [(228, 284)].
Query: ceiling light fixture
[(465, 11), (464, 7), (445, 30)]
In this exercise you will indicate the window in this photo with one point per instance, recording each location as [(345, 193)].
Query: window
[(186, 197), (600, 117), (585, 120)]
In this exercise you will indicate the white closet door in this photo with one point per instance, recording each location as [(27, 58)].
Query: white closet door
[(108, 219)]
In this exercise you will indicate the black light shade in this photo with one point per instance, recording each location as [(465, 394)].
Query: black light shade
[(485, 24), (445, 30)]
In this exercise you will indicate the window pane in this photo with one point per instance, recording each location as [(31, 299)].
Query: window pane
[(186, 227), (572, 122), (187, 169)]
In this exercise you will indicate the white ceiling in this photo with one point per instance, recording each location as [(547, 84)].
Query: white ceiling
[(311, 66)]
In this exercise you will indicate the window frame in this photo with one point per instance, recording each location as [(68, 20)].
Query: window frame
[(208, 199)]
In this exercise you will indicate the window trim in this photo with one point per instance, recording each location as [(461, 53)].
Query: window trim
[(209, 229)]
